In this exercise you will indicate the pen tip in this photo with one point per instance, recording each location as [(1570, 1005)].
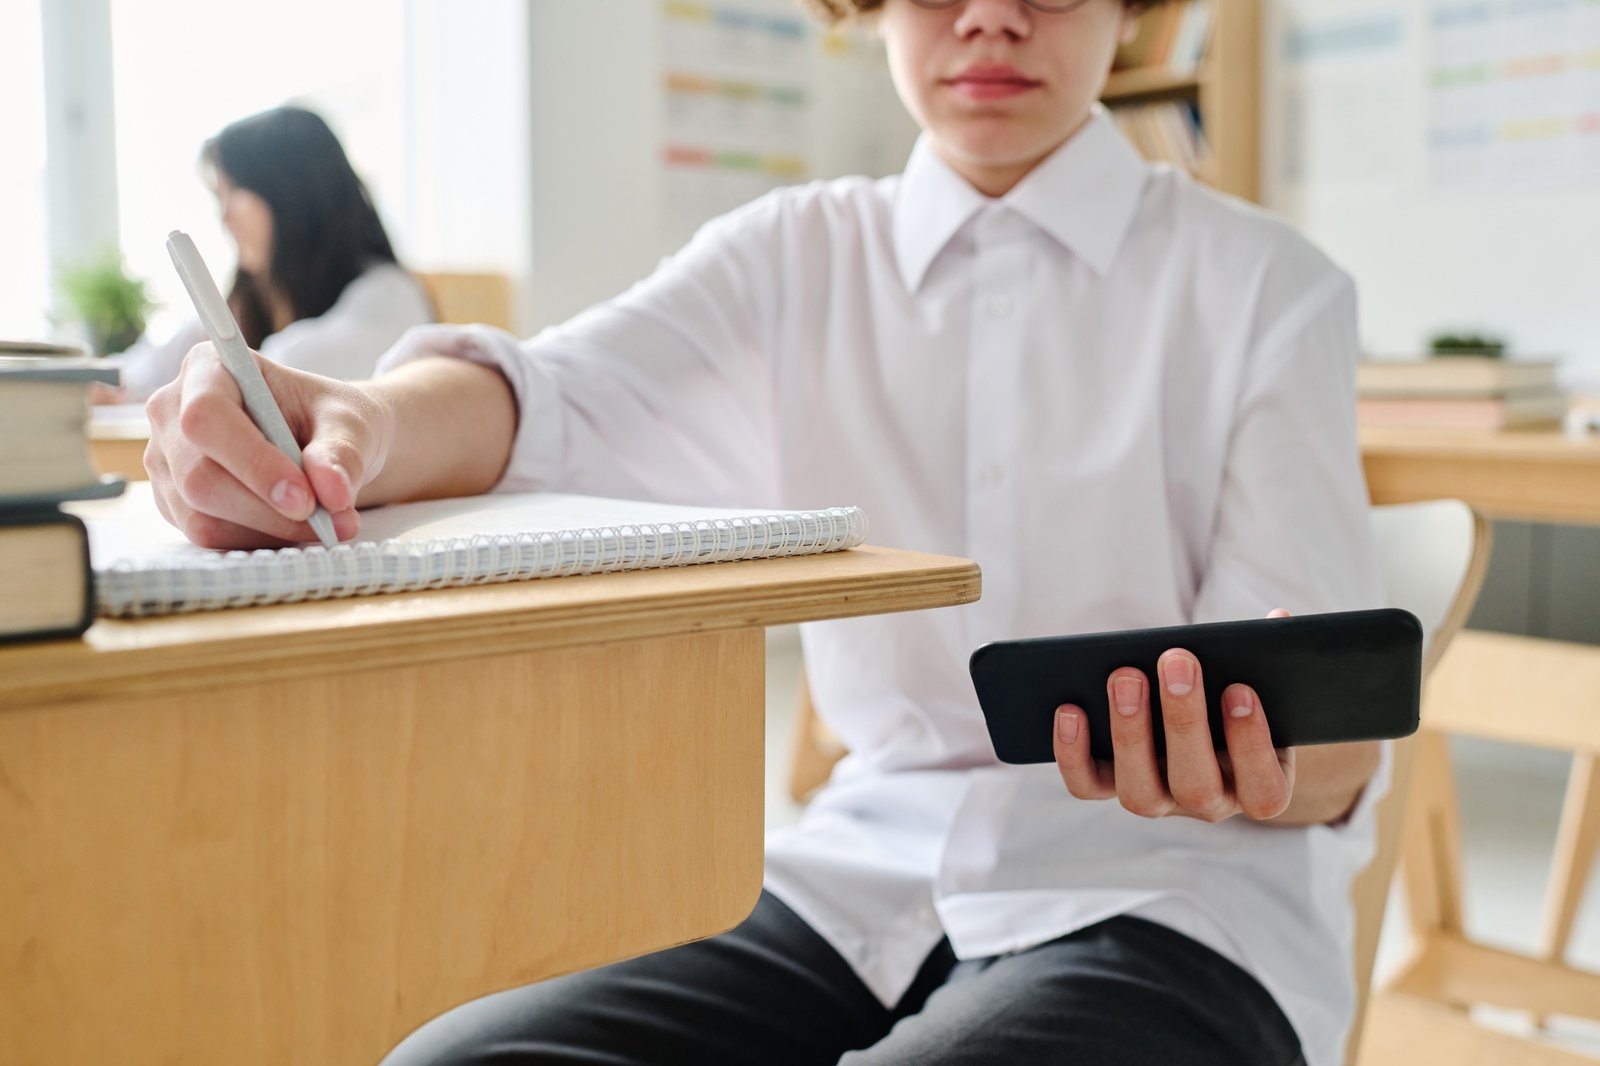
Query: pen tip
[(322, 525)]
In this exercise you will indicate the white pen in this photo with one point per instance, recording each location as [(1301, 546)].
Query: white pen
[(224, 333)]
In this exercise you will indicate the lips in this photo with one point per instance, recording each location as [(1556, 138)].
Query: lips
[(991, 81)]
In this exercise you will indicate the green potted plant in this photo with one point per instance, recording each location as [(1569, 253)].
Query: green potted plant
[(1468, 344), (111, 305)]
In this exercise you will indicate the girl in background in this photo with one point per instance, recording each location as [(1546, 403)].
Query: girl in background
[(318, 287)]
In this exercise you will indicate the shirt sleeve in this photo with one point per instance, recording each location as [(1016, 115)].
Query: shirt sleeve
[(1292, 528), (345, 341), (662, 393)]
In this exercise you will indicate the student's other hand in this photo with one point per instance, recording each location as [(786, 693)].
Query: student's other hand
[(1252, 778), (217, 477)]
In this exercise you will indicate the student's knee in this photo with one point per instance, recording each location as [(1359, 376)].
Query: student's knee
[(472, 1034)]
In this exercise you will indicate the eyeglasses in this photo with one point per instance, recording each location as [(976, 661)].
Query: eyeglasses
[(1054, 7)]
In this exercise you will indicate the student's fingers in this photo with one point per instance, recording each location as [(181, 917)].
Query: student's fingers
[(212, 417), (1194, 777), (349, 435), (1263, 780), (1140, 786), (211, 507), (1085, 776), (1277, 612)]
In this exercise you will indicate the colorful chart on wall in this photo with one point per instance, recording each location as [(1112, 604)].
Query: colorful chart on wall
[(735, 80), (1514, 91)]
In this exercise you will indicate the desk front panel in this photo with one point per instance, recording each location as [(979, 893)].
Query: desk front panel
[(302, 871)]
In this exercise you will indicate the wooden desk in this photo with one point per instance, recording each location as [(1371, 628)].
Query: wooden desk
[(1535, 476), (292, 834), (1523, 689)]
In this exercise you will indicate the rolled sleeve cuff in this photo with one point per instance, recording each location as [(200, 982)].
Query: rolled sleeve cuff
[(537, 459)]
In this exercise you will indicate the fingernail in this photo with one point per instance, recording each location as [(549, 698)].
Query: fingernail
[(290, 499), (1241, 707), (1067, 726), (1179, 670), (1127, 691)]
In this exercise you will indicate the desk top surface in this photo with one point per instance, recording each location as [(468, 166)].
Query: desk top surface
[(1512, 445), (1530, 475), (182, 652)]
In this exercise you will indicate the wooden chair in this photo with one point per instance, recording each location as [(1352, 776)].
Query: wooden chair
[(469, 298), (1518, 690), (1433, 556)]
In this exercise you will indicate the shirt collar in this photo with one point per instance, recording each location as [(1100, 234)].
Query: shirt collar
[(1084, 194)]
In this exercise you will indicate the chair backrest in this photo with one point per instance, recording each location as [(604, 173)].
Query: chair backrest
[(471, 298), (1433, 556)]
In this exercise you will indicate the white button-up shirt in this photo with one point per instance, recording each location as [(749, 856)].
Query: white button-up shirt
[(1128, 398), (344, 342)]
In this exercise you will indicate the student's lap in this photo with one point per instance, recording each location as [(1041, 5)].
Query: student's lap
[(1125, 992)]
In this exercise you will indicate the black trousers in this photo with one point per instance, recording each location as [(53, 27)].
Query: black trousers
[(772, 992)]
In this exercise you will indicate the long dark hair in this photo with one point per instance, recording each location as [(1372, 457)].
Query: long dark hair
[(325, 231)]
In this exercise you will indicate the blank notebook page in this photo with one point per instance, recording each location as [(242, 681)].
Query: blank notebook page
[(143, 566)]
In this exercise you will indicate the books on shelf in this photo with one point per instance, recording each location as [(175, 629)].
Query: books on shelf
[(1458, 392), (1172, 37), (1164, 131), (45, 583), (143, 566)]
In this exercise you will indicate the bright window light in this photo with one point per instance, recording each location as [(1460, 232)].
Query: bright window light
[(186, 68), (24, 258)]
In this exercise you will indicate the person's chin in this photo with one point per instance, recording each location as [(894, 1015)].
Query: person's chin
[(998, 145)]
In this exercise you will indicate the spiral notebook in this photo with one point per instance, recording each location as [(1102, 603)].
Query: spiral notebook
[(143, 566)]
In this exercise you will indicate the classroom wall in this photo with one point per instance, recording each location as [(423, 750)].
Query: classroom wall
[(1351, 89), (599, 215), (1348, 101), (466, 206)]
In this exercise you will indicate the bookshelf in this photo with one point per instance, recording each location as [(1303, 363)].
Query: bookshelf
[(1225, 91)]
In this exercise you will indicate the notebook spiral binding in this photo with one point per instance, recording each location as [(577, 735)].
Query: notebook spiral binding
[(290, 575)]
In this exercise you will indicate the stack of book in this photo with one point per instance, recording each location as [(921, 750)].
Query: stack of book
[(1458, 392), (46, 585)]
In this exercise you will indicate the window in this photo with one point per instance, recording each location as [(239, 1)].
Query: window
[(183, 69), (24, 259)]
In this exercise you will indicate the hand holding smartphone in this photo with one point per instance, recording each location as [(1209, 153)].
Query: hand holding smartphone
[(1322, 678)]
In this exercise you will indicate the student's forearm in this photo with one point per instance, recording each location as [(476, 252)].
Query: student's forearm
[(451, 424), (1328, 781)]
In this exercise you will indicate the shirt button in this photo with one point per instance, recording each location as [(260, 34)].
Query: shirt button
[(928, 914), (999, 306), (989, 477)]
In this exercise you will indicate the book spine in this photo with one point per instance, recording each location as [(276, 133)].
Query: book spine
[(37, 516)]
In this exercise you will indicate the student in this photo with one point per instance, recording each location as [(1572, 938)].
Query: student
[(1129, 398), (318, 286)]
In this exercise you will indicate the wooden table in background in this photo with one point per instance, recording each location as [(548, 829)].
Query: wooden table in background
[(1534, 476), (1503, 687), (117, 438), (291, 834)]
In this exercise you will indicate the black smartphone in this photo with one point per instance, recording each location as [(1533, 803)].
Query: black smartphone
[(1322, 678)]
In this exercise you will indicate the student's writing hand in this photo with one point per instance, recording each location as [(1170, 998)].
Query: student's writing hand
[(220, 481), (1194, 780)]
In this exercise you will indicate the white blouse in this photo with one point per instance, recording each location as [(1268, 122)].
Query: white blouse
[(1130, 399), (343, 342)]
